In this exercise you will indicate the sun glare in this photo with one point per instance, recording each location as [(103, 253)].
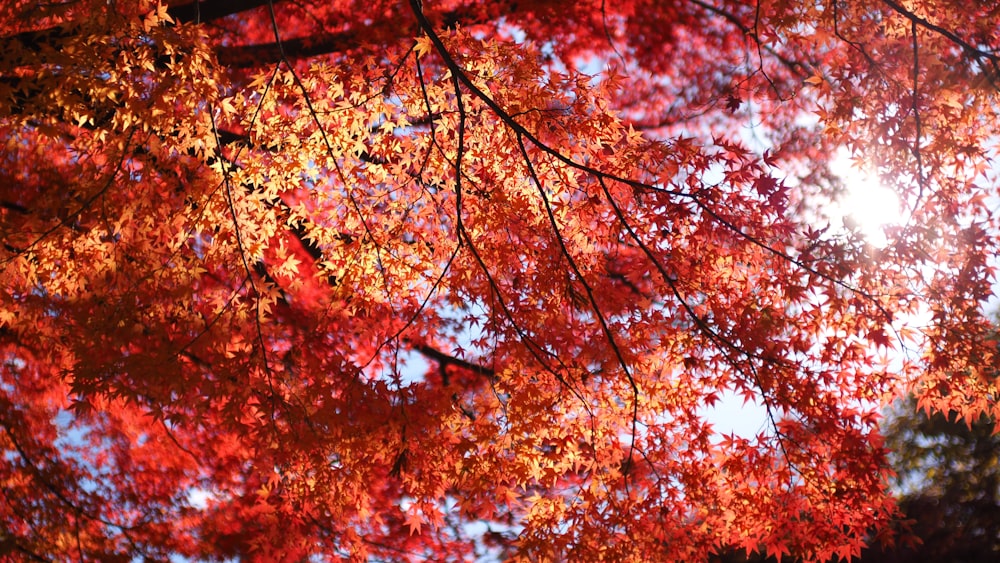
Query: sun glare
[(865, 205)]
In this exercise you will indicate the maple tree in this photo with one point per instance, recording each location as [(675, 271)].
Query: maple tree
[(450, 280)]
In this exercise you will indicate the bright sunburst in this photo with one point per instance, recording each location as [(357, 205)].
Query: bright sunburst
[(866, 204)]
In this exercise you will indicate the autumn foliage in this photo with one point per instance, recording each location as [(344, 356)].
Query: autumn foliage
[(446, 280)]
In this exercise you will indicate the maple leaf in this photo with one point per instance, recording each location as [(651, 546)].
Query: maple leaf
[(414, 521), (733, 103)]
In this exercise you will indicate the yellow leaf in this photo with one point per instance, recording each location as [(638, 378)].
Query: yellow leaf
[(227, 106), (423, 46)]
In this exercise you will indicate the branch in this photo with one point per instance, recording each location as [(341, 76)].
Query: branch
[(950, 35), (797, 67), (445, 360), (990, 58), (194, 12), (247, 56), (380, 34), (209, 10)]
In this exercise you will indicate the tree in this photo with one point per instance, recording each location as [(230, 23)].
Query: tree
[(948, 473), (946, 478), (234, 232)]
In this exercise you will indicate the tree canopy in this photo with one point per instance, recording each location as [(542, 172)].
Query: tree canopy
[(446, 280)]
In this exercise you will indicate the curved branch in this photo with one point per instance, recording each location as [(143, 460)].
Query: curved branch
[(447, 360), (203, 11)]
